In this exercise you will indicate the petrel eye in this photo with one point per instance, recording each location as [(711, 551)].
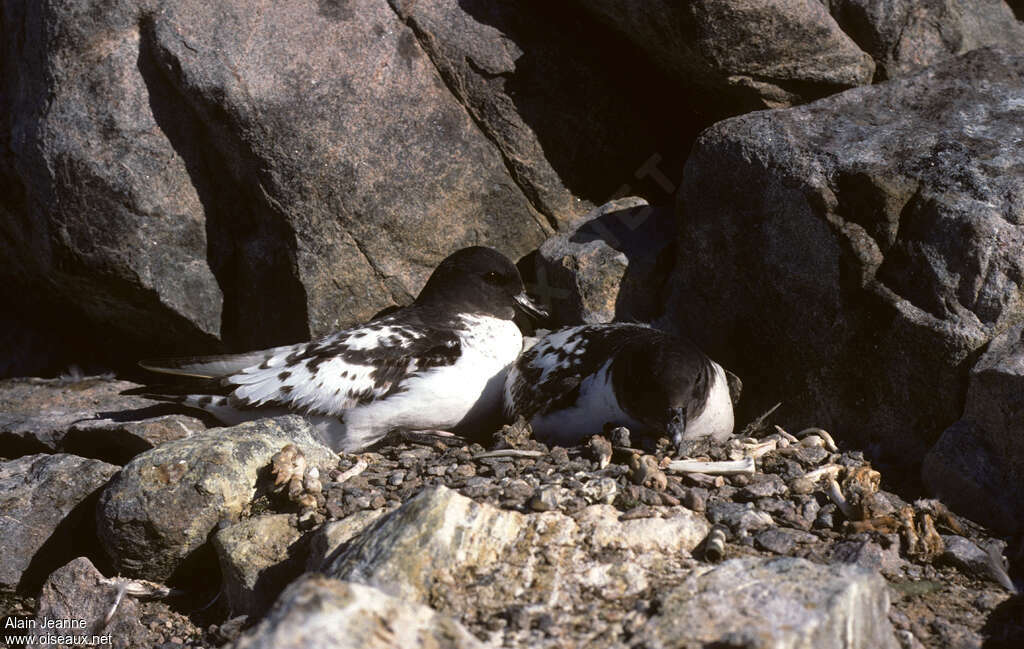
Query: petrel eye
[(492, 278)]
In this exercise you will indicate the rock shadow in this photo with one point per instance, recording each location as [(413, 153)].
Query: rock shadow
[(251, 248), (600, 109)]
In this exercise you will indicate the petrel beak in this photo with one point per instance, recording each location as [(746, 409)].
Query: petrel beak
[(530, 306), (676, 428)]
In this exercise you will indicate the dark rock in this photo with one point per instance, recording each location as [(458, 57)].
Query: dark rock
[(46, 510), (809, 456), (762, 485), (775, 540), (316, 612), (78, 591), (119, 441), (966, 556), (162, 506), (743, 55), (258, 558), (186, 181), (550, 101), (870, 555), (338, 195), (777, 603), (977, 466), (42, 415), (904, 36), (826, 517), (741, 518), (611, 264), (107, 222), (877, 218)]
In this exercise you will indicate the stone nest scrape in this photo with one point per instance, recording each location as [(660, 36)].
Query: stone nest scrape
[(527, 545)]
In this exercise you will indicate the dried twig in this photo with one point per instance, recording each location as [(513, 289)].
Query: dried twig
[(731, 467), (508, 452)]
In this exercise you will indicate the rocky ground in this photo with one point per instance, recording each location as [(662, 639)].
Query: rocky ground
[(774, 539)]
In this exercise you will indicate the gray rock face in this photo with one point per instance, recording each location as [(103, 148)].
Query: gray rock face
[(78, 591), (318, 181), (46, 506), (749, 54), (545, 96), (977, 465), (610, 264), (164, 503), (258, 558), (105, 218), (775, 604), (316, 612), (878, 254), (37, 414), (175, 173), (904, 36), (328, 541), (437, 532), (435, 548)]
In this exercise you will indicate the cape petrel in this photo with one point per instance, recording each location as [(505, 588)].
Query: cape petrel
[(439, 363), (574, 381)]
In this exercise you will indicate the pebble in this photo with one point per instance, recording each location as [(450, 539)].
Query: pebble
[(775, 540), (764, 485), (965, 555)]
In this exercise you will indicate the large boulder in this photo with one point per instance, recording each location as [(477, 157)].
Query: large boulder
[(904, 36), (743, 54), (783, 603), (977, 466), (551, 101), (174, 173), (101, 214), (316, 612), (157, 515), (611, 264), (86, 416), (46, 510), (851, 257)]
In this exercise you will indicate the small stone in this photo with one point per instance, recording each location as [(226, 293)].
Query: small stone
[(775, 540), (810, 455), (559, 455), (517, 490), (620, 436), (965, 555), (601, 490), (826, 517), (600, 450), (547, 498), (764, 485), (741, 518), (644, 470), (395, 478), (695, 499)]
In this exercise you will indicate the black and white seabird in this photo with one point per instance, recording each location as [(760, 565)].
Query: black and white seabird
[(574, 381), (439, 363)]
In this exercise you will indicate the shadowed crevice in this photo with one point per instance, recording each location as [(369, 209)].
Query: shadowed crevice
[(251, 247)]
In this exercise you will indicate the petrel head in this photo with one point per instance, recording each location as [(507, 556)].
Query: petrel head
[(478, 280)]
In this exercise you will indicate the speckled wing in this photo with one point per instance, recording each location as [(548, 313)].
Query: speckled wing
[(335, 373), (547, 376)]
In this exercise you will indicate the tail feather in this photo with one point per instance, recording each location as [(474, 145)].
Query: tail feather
[(206, 367)]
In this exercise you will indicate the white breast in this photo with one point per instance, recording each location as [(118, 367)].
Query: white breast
[(457, 395)]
